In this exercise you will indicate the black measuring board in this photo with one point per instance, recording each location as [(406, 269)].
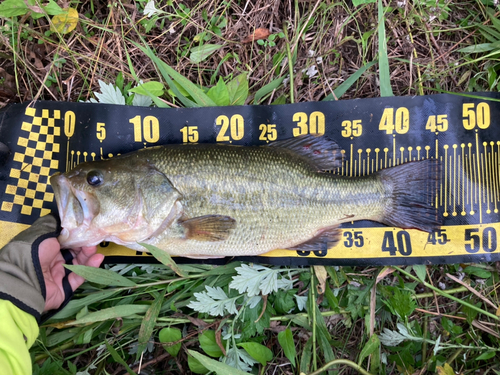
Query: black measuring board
[(463, 132)]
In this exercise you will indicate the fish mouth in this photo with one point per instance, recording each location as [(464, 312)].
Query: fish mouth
[(76, 211)]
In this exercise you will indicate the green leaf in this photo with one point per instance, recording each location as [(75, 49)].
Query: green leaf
[(196, 366), (100, 275), (238, 89), (216, 366), (486, 356), (52, 8), (76, 305), (384, 73), (209, 345), (342, 88), (13, 8), (151, 87), (263, 91), (119, 311), (258, 352), (285, 338), (200, 53), (445, 370), (164, 258), (149, 322), (420, 271), (118, 359), (362, 2), (200, 98), (478, 272), (478, 48), (372, 345), (167, 335), (219, 93)]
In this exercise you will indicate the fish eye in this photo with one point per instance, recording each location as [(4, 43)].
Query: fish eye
[(94, 178)]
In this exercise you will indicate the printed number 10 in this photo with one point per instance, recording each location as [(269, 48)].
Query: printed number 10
[(147, 129)]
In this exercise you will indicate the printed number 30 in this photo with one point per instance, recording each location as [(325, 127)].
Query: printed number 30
[(312, 124)]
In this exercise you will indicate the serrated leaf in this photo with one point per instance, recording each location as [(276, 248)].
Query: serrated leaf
[(255, 279), (200, 53), (164, 258), (257, 351), (216, 366), (391, 338), (141, 101), (219, 93), (119, 311), (420, 271), (239, 359), (301, 302), (148, 324), (238, 90), (285, 338), (13, 8), (372, 345), (214, 301), (65, 22), (169, 334), (109, 94), (100, 276), (208, 344)]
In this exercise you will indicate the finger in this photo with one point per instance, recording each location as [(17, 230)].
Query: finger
[(75, 280), (95, 260), (83, 254)]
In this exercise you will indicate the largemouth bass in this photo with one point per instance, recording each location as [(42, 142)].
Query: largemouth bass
[(210, 201)]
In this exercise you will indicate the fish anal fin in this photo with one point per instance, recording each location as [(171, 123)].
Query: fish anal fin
[(323, 240), (208, 228), (321, 151)]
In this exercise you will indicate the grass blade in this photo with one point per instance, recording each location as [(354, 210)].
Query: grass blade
[(263, 91), (384, 73), (342, 88), (200, 98), (148, 323), (164, 258), (118, 359), (100, 276), (110, 313)]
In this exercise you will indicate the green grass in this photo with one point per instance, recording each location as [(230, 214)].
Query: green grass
[(375, 320)]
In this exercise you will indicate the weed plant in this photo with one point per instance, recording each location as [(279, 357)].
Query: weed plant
[(158, 319)]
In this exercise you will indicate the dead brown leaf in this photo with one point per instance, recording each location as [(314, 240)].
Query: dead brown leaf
[(260, 33)]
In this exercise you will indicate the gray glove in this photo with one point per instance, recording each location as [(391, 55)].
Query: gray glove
[(21, 277)]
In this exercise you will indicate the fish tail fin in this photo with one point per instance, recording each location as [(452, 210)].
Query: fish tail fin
[(414, 186)]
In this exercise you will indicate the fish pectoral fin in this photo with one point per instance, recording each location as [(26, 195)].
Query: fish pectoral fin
[(322, 241), (209, 227)]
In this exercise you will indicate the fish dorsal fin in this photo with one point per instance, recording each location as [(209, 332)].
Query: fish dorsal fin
[(209, 227), (322, 241), (324, 153)]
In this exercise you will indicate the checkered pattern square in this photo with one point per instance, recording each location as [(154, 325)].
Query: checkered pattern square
[(34, 164)]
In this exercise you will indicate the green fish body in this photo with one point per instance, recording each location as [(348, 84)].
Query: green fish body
[(221, 200)]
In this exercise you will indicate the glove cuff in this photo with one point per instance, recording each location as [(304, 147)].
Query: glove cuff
[(21, 276)]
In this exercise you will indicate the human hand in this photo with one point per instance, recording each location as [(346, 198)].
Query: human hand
[(52, 264)]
